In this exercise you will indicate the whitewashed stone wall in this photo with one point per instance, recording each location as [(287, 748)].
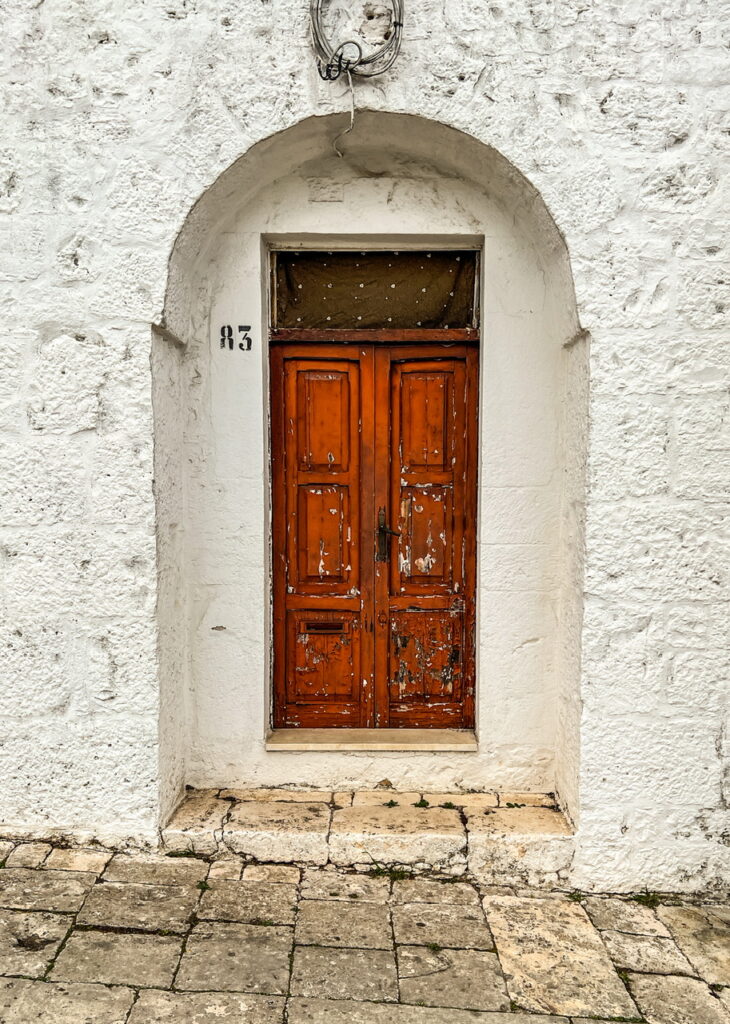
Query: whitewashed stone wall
[(118, 118)]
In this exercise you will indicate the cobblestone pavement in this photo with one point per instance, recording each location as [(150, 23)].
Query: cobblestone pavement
[(91, 937)]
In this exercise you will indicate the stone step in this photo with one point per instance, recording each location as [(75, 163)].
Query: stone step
[(498, 838)]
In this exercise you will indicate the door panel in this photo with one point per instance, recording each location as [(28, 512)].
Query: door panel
[(432, 492), (374, 510), (317, 505)]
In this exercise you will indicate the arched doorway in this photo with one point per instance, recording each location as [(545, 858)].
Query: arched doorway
[(403, 182)]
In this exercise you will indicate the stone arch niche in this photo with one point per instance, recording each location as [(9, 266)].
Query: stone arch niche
[(401, 179)]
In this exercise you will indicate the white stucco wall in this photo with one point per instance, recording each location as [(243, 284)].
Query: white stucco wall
[(119, 118)]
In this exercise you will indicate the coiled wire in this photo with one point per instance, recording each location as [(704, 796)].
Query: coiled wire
[(348, 57)]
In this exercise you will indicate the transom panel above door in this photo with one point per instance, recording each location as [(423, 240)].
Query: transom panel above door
[(374, 526)]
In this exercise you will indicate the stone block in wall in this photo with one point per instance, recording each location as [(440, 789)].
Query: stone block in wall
[(696, 626), (145, 198), (79, 572), (104, 772), (683, 767), (132, 285), (65, 387), (641, 117), (23, 253), (628, 644), (629, 456), (42, 482), (703, 423), (120, 478), (697, 680), (625, 286), (41, 655), (677, 360), (683, 184), (704, 295), (671, 551)]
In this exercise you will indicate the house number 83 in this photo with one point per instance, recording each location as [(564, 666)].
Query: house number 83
[(228, 338)]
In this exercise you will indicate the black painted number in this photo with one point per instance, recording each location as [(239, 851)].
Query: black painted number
[(228, 338)]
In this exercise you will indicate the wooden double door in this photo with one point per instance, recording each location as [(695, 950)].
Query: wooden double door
[(374, 534)]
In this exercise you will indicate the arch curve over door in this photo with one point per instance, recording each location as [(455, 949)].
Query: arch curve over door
[(405, 178)]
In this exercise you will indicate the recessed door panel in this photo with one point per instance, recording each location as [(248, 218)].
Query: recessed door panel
[(325, 666)]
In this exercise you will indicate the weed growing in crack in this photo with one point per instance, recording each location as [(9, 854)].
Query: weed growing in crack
[(646, 899), (422, 803), (394, 874)]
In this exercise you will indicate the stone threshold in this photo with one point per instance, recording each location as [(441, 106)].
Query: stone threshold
[(371, 739), (518, 839)]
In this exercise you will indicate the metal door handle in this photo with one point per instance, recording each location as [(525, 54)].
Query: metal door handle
[(382, 534)]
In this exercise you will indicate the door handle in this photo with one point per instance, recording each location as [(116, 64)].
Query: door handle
[(382, 548)]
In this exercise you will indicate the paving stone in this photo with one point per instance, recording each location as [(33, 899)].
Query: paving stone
[(382, 797), (197, 823), (336, 885), (134, 905), (335, 923), (518, 821), (326, 1011), (423, 890), (279, 831), (473, 801), (228, 868), (338, 973), (24, 1001), (649, 954), (400, 835), (669, 1000), (78, 860), (342, 799), (457, 927), (203, 1007), (156, 870), (5, 849), (249, 902), (28, 855), (469, 979), (553, 958), (623, 916), (28, 941), (115, 958), (236, 958), (527, 799), (703, 935), (528, 846), (277, 874), (724, 996), (301, 796), (25, 889)]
